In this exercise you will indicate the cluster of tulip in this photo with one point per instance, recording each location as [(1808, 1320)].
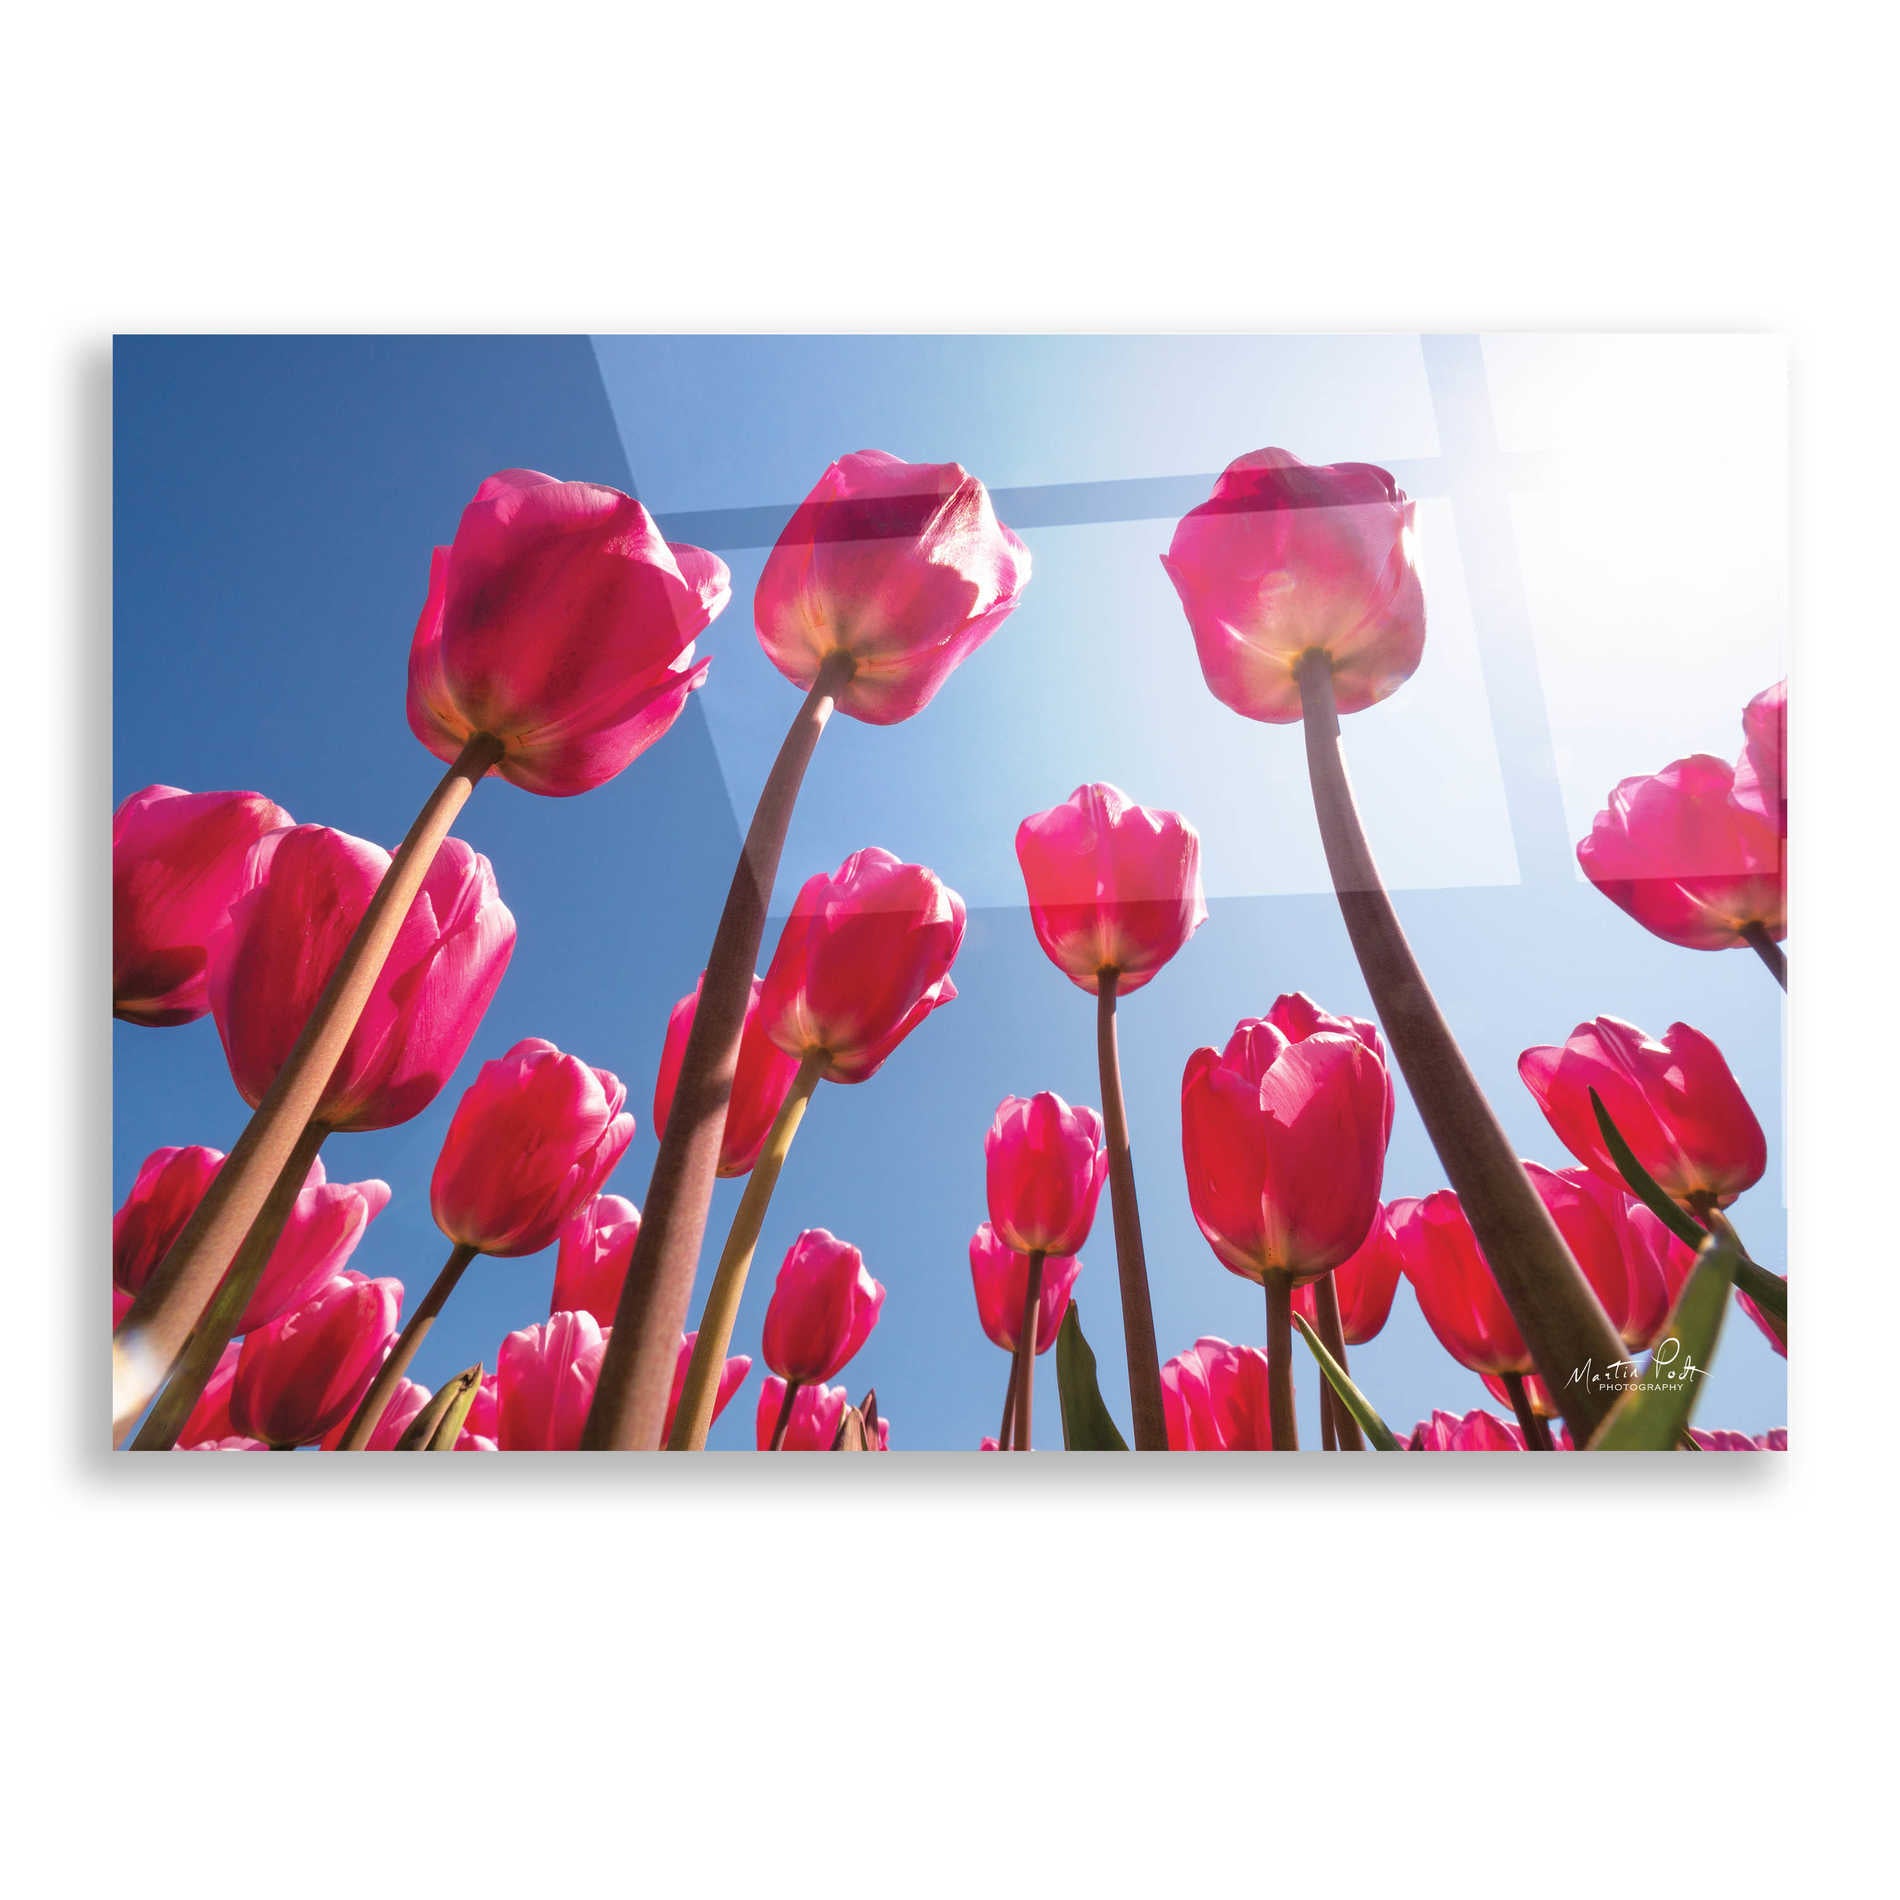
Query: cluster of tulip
[(557, 644)]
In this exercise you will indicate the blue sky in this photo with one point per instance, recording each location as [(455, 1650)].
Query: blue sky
[(275, 501)]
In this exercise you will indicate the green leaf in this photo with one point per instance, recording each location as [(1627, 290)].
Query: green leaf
[(1087, 1423), (1378, 1433), (439, 1424), (1653, 1414), (1642, 1184)]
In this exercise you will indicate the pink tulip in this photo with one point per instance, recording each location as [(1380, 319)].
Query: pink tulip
[(1722, 1440), (1686, 860), (211, 1417), (822, 1309), (1283, 1134), (596, 1246), (306, 1373), (545, 1383), (989, 1444), (1536, 1395), (864, 957), (1456, 1292), (1112, 886), (271, 958), (1215, 1398), (1761, 773), (901, 565), (816, 1413), (321, 1232), (532, 1139), (1760, 1320), (405, 1403), (1001, 1277), (1365, 1283), (731, 1378), (760, 1082), (1775, 1440), (1673, 1100), (179, 861), (1045, 1164), (1626, 1275), (561, 623), (1476, 1431), (481, 1424), (232, 1443), (1286, 559)]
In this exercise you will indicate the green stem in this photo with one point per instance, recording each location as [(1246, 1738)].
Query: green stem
[(369, 1413), (1283, 1420), (694, 1418), (173, 1301), (1003, 1431), (784, 1416), (1332, 1332), (1023, 1378), (636, 1371), (1771, 953), (219, 1321), (1555, 1307), (1536, 1431)]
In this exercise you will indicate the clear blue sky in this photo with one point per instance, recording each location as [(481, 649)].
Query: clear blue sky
[(275, 501)]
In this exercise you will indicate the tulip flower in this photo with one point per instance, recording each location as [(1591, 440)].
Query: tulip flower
[(864, 957), (179, 861), (1044, 1167), (1761, 781), (1113, 886), (822, 1310), (1347, 1307), (545, 1378), (170, 1184), (210, 1418), (233, 1443), (532, 1139), (562, 624), (731, 1377), (1476, 1431), (480, 1424), (761, 1080), (806, 1418), (884, 579), (1723, 1440), (1301, 590), (1286, 559), (1689, 861), (1021, 1300), (1114, 891), (591, 1266), (902, 567), (405, 1403), (1672, 1099), (1217, 1398), (1775, 1335), (304, 1374), (1775, 1440)]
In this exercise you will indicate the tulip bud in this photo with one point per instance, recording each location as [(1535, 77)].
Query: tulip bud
[(1456, 1291), (1045, 1164), (545, 1383), (1215, 1398), (1001, 1277), (596, 1247), (1683, 856), (760, 1082), (1673, 1100), (1283, 1133), (901, 565), (562, 624), (1285, 560), (275, 952), (1112, 886), (731, 1378), (1476, 1431), (864, 957), (532, 1139), (306, 1373), (822, 1309), (1364, 1283)]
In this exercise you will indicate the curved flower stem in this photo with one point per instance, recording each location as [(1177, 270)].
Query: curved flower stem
[(155, 1327), (370, 1412), (1555, 1307), (206, 1346), (1536, 1431), (1131, 1261), (784, 1416), (1332, 1334), (1023, 1378), (636, 1372), (1283, 1421), (1771, 953), (693, 1420), (1008, 1425)]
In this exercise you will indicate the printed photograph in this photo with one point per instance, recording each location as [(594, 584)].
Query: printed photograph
[(966, 893)]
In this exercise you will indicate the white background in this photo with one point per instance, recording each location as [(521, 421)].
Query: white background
[(948, 1675)]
